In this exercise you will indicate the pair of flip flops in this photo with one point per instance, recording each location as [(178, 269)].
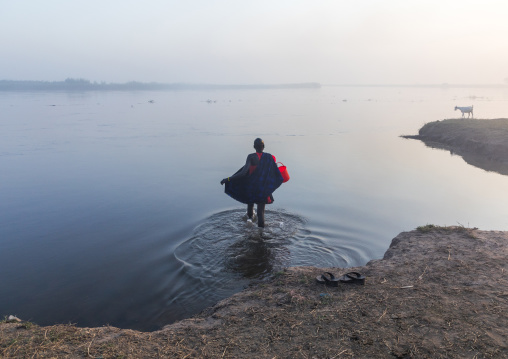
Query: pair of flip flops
[(330, 280)]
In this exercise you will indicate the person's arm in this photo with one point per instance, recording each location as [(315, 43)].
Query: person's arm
[(243, 172)]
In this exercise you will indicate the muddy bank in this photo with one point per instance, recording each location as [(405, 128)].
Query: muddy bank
[(482, 143), (439, 292)]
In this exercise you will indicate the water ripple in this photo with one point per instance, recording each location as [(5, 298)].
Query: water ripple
[(226, 246)]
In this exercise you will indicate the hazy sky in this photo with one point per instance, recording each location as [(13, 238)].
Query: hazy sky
[(261, 41)]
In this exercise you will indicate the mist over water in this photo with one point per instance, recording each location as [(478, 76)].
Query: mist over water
[(111, 210)]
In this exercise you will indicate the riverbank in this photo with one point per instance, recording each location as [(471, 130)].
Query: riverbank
[(438, 292), (481, 143)]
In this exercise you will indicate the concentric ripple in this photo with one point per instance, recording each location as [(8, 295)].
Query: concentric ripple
[(226, 245)]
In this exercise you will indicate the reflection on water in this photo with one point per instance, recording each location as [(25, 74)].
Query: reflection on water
[(225, 245), (480, 161)]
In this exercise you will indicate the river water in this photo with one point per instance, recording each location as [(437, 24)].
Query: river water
[(111, 211)]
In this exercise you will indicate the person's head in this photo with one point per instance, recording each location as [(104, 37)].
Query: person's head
[(259, 145)]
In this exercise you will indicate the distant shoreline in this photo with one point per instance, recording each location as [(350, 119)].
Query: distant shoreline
[(86, 85), (442, 86), (72, 84)]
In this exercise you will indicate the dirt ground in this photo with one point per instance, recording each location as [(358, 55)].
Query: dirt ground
[(439, 292), (480, 142)]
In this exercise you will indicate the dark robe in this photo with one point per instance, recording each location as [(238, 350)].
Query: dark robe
[(259, 185)]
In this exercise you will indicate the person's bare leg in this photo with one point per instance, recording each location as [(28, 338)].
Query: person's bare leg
[(250, 210), (261, 214)]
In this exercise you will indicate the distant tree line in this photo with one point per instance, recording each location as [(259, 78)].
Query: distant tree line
[(85, 85)]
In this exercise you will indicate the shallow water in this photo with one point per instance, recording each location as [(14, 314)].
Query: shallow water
[(111, 210)]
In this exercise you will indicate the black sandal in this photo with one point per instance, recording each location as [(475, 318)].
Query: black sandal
[(352, 278), (328, 279)]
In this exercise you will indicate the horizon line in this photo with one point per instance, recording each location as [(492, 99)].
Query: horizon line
[(316, 84)]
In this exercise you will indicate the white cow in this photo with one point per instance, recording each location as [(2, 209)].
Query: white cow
[(468, 110)]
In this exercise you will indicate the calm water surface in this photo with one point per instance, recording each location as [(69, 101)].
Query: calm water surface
[(111, 211)]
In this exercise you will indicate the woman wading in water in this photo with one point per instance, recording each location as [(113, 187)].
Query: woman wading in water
[(255, 182)]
